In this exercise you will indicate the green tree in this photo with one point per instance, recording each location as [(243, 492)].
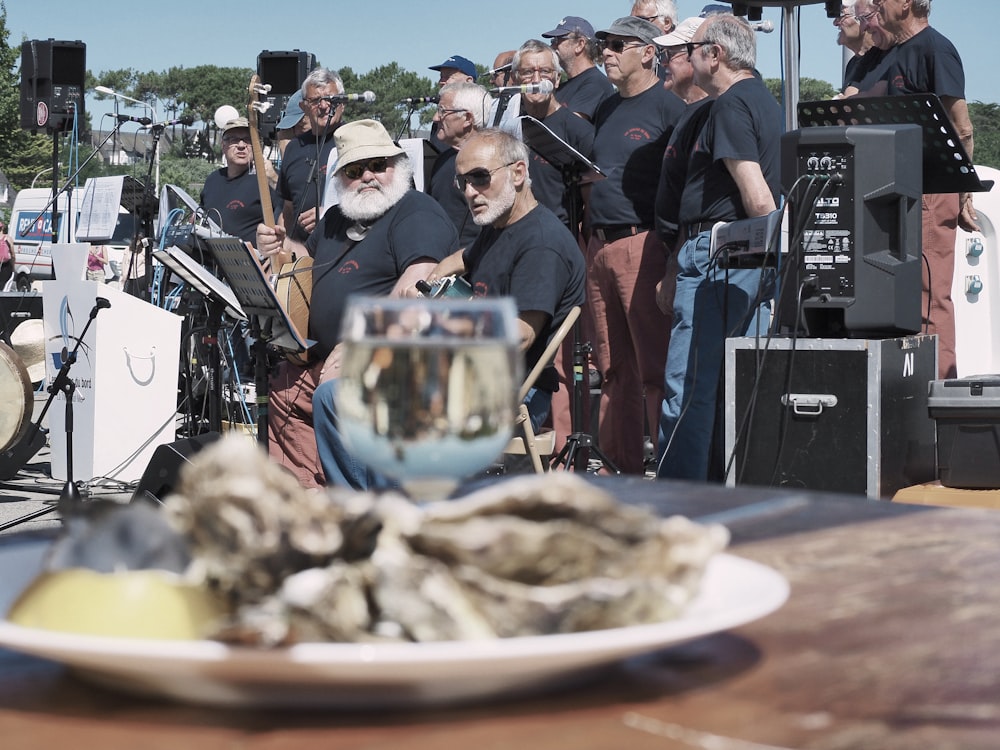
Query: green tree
[(986, 131), (810, 90), (390, 84)]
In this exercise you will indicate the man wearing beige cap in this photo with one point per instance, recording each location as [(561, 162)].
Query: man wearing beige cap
[(380, 239)]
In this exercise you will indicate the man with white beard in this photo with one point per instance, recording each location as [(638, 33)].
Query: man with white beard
[(523, 251), (380, 239)]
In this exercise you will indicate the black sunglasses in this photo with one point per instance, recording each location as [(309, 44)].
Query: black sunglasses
[(619, 45), (690, 46), (358, 168), (479, 178)]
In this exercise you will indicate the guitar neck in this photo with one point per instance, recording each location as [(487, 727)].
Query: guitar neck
[(262, 185)]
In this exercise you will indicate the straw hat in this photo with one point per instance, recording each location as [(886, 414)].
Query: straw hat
[(28, 340)]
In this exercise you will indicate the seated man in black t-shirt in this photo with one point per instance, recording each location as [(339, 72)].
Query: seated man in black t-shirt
[(380, 239), (523, 250)]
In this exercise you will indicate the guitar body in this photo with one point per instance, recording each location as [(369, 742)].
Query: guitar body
[(293, 288)]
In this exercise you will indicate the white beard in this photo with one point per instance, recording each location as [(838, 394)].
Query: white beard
[(366, 205), (498, 206)]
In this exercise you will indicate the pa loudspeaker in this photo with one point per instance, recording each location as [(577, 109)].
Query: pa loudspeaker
[(53, 75), (164, 468), (284, 72)]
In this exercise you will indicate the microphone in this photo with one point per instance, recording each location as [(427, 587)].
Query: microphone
[(368, 98), (420, 100), (186, 120), (102, 303), (129, 118), (542, 87), (763, 27)]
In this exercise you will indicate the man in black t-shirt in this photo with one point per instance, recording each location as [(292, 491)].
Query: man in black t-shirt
[(380, 239), (732, 173), (586, 86), (625, 258), (303, 176), (461, 110), (523, 251), (230, 195)]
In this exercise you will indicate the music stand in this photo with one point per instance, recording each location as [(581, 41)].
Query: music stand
[(576, 170), (947, 167), (252, 288), (220, 300)]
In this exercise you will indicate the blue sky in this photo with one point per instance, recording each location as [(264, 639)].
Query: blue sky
[(364, 35)]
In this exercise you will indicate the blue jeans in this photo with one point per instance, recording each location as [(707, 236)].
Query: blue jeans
[(710, 305), (342, 469)]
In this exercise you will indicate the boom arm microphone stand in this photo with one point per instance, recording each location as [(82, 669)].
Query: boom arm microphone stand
[(576, 169), (70, 497)]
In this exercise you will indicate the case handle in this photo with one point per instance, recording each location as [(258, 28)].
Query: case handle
[(808, 404)]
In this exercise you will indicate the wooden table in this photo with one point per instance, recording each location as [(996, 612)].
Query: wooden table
[(889, 640)]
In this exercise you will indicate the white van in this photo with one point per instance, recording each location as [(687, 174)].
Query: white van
[(30, 227)]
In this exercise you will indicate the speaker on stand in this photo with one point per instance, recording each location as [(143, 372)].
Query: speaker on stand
[(284, 73), (53, 75)]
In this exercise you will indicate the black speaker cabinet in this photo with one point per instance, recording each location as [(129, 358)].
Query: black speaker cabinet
[(284, 72), (161, 475), (53, 75), (837, 415)]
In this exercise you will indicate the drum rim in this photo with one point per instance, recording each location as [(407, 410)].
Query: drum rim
[(8, 355)]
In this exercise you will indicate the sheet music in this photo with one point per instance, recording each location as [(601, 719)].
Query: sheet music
[(200, 278), (102, 197), (556, 151)]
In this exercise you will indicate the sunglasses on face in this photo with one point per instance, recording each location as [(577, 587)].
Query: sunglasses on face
[(479, 178), (689, 47), (619, 45), (358, 168)]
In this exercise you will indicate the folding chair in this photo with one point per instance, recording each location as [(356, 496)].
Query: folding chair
[(525, 441)]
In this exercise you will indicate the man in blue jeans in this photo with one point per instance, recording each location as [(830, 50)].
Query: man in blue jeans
[(733, 173)]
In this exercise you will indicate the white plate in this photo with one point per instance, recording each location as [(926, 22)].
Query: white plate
[(346, 675)]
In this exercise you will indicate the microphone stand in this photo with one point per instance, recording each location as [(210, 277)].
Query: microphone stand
[(146, 208), (70, 496)]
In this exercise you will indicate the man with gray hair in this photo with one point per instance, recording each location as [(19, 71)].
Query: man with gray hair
[(380, 239), (462, 109), (523, 251), (303, 167), (660, 13), (732, 173)]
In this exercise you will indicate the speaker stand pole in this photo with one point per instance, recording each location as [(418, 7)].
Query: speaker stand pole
[(70, 498)]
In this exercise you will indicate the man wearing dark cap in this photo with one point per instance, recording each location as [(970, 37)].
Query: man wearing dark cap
[(625, 257), (379, 239), (293, 122), (586, 87), (456, 69)]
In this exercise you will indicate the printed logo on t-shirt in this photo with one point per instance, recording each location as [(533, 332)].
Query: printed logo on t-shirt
[(899, 83), (349, 267), (670, 152), (480, 289), (236, 204), (638, 134)]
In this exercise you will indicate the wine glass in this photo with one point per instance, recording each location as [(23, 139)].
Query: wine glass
[(428, 387)]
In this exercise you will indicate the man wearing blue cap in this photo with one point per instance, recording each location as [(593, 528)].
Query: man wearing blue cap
[(586, 86), (293, 122), (456, 69)]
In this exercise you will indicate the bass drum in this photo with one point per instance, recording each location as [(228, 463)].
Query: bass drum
[(16, 401)]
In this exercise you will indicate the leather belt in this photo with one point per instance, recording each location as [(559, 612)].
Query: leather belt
[(618, 231), (693, 230)]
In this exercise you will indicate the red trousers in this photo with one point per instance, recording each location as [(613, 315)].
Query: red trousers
[(630, 342), (940, 226), (291, 439)]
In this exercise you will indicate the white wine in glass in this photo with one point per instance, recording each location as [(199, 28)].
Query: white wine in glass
[(428, 387)]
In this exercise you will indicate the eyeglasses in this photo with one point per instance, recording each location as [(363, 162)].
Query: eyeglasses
[(376, 166), (866, 16), (690, 46), (479, 178), (312, 101), (648, 18), (525, 74), (234, 140), (619, 45), (556, 41)]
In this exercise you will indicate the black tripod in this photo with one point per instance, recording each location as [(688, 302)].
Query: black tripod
[(575, 169), (70, 496)]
